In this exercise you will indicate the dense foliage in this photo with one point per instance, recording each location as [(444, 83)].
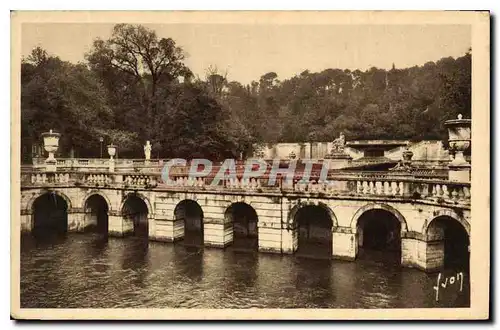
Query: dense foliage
[(135, 87)]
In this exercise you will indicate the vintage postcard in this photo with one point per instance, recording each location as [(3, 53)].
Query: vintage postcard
[(250, 165)]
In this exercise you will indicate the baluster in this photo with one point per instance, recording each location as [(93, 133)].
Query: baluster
[(389, 188), (455, 194), (435, 190), (401, 188), (466, 193), (365, 187), (424, 190), (445, 191), (359, 187), (371, 188)]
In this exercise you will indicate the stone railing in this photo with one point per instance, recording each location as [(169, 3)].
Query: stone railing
[(100, 165), (361, 184), (90, 179)]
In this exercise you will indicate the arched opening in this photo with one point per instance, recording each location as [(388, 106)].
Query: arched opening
[(50, 212), (379, 235), (191, 214), (447, 244), (244, 219), (135, 215), (314, 226), (96, 214)]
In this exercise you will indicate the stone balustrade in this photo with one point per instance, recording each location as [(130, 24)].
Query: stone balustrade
[(361, 184), (100, 164)]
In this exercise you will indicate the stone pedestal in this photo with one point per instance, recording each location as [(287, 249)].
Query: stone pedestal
[(289, 240), (51, 165), (111, 165), (217, 234), (337, 160), (345, 245), (460, 173)]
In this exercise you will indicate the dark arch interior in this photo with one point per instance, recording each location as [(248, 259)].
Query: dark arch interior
[(244, 221), (96, 212), (456, 242), (191, 213), (50, 215), (379, 230), (314, 226), (136, 210)]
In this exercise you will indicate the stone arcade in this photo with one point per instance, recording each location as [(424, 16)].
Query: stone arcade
[(426, 220)]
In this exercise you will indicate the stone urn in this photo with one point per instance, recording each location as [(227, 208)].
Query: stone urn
[(51, 144), (459, 138), (112, 153), (111, 150)]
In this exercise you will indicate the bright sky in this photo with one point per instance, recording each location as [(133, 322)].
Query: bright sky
[(249, 51)]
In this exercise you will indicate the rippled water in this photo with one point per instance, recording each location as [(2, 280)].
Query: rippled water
[(89, 271)]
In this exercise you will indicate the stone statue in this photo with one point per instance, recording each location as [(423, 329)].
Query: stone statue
[(339, 143), (147, 150)]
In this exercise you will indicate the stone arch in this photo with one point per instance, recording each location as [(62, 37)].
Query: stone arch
[(313, 224), (446, 213), (190, 215), (136, 213), (31, 202), (96, 208), (378, 206), (51, 218), (141, 196), (293, 212), (100, 193), (241, 221)]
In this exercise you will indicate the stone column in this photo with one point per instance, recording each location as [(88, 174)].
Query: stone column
[(344, 244)]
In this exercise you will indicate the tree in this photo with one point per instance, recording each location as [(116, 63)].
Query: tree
[(65, 97), (136, 65)]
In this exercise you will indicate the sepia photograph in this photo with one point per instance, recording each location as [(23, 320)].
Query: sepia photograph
[(250, 165)]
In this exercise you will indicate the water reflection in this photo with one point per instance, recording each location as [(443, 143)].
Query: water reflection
[(84, 270)]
